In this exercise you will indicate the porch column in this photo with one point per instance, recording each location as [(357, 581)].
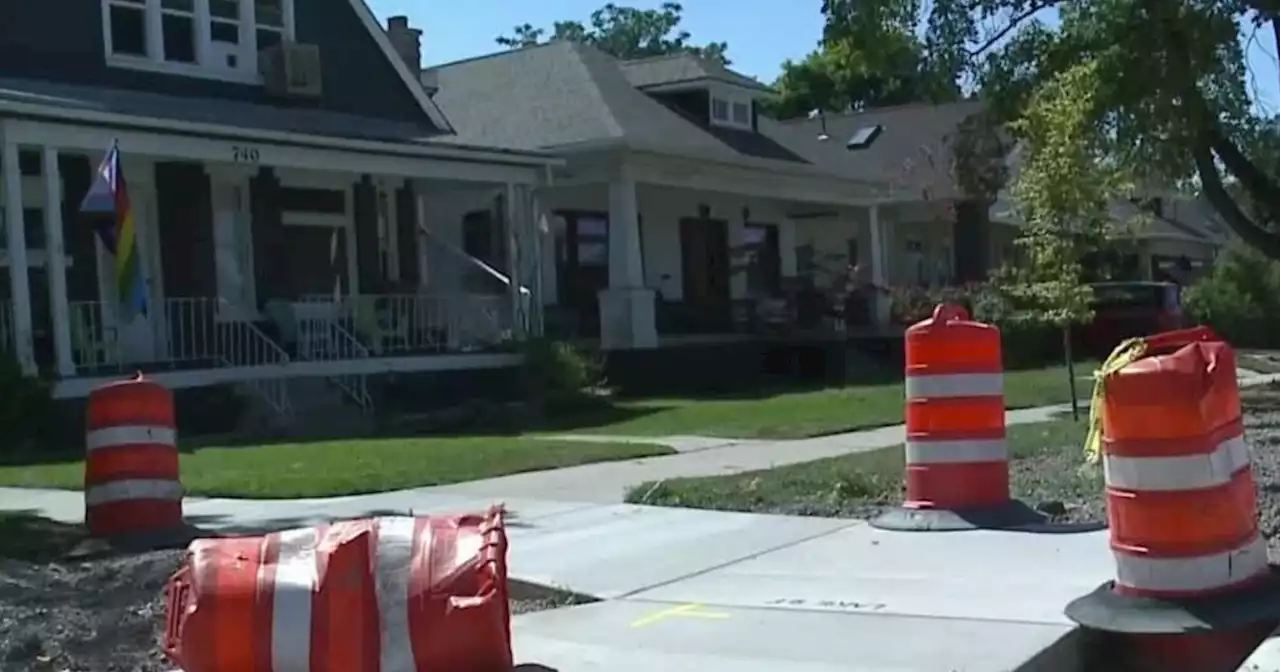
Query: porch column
[(626, 307), (514, 217), (879, 263), (17, 240), (55, 261), (787, 247)]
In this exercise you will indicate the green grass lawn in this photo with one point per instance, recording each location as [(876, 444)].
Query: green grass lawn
[(858, 485), (811, 413), (331, 468)]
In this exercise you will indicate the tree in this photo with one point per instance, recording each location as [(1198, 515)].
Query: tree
[(861, 62), (1169, 80), (623, 32)]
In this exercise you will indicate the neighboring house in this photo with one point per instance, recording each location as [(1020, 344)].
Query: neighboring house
[(280, 156), (671, 172)]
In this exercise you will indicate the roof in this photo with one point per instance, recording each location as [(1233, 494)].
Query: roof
[(680, 68), (912, 153), (219, 111), (565, 95)]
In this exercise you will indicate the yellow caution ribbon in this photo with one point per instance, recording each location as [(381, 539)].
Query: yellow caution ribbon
[(1128, 352)]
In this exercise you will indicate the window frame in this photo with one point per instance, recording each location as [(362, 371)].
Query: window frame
[(208, 52), (730, 101)]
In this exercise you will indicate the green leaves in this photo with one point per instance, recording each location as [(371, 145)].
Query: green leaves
[(624, 32)]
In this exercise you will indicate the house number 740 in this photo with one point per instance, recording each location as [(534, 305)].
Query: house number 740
[(245, 154)]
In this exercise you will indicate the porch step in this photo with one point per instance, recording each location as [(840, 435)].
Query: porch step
[(320, 409)]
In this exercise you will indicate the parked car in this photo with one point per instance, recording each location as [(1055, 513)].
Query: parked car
[(1129, 310)]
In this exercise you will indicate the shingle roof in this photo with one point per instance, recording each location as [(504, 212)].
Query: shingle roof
[(679, 68), (208, 110), (911, 154), (562, 94)]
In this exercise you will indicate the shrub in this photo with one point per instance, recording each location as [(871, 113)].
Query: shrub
[(27, 411), (1239, 298), (559, 376)]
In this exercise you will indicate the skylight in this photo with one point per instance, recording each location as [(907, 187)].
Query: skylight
[(863, 137)]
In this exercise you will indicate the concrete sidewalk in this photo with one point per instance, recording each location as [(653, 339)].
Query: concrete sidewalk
[(607, 482)]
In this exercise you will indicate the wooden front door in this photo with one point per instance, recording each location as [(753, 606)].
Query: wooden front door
[(704, 251)]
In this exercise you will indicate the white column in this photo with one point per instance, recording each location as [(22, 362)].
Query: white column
[(511, 238), (879, 263), (625, 269), (56, 263), (17, 241), (787, 247), (626, 307)]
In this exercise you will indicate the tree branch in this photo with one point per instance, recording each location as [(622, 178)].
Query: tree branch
[(1211, 183), (1010, 26)]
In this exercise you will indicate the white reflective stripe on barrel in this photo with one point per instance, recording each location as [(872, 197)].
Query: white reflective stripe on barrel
[(392, 579), (295, 584), (1182, 472), (123, 491), (124, 435), (1192, 574), (955, 385), (957, 451)]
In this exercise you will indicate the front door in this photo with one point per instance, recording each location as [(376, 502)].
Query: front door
[(704, 251), (233, 250), (138, 337)]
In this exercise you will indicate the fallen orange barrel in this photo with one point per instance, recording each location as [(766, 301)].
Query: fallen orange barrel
[(1193, 590), (392, 594), (957, 474), (131, 478)]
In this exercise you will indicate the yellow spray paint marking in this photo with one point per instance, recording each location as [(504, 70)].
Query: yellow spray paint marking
[(680, 611)]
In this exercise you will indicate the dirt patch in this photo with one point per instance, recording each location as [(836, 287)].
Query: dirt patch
[(68, 604)]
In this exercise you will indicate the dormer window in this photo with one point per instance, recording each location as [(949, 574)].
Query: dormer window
[(730, 111), (218, 39)]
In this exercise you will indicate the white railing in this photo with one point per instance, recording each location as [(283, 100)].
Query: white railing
[(6, 326), (242, 344), (193, 333), (424, 323), (94, 345), (321, 337)]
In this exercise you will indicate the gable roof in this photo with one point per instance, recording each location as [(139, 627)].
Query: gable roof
[(563, 95), (912, 154), (409, 77), (681, 68)]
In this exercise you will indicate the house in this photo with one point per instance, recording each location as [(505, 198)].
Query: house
[(671, 173), (941, 236), (281, 157)]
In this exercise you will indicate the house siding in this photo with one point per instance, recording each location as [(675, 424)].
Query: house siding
[(78, 234), (62, 40), (407, 234)]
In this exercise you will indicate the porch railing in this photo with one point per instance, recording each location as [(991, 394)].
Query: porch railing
[(242, 344), (424, 323), (322, 338), (192, 334)]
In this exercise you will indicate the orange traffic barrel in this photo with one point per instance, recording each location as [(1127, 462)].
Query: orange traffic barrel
[(1193, 587), (375, 595), (131, 478), (957, 473)]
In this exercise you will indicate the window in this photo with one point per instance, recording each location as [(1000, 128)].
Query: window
[(719, 109), (730, 111), (764, 261), (863, 137), (220, 39)]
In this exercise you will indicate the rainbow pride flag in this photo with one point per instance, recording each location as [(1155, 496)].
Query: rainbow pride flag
[(109, 195)]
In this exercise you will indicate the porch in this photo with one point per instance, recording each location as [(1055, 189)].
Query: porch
[(261, 263)]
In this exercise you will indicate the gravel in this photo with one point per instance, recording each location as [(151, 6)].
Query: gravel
[(107, 615)]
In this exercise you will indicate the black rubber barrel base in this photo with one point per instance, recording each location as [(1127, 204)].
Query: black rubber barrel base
[(1012, 514), (1104, 609)]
